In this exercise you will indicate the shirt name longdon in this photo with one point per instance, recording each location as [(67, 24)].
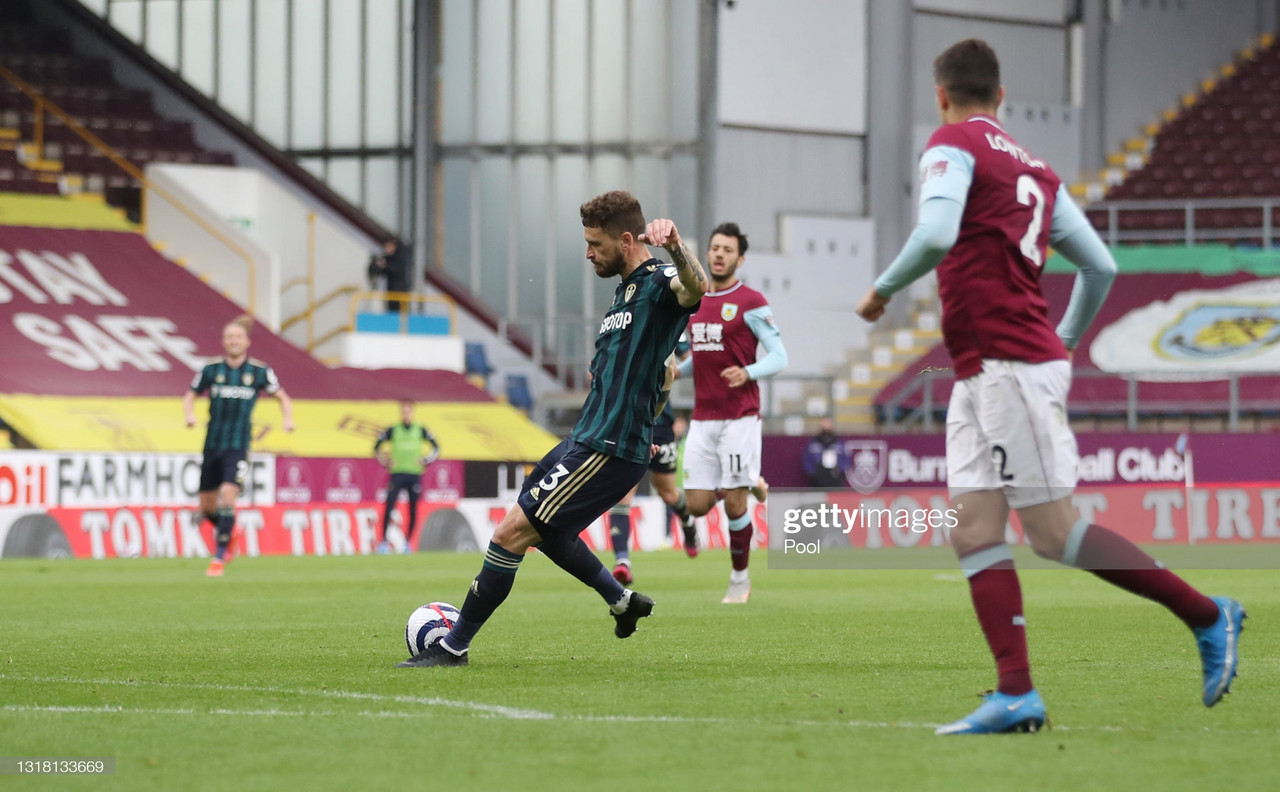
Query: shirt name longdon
[(618, 321), (1001, 143)]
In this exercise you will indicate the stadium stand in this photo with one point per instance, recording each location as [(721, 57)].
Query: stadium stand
[(103, 336), (1221, 147), (41, 153)]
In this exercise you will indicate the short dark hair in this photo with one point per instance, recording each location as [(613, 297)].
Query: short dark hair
[(969, 72), (615, 213), (730, 229)]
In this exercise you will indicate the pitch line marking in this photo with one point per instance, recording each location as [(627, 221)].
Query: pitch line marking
[(512, 713), (109, 709), (489, 710), (479, 708)]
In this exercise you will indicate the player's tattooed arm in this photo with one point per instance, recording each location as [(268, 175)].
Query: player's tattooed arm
[(691, 282), (692, 276)]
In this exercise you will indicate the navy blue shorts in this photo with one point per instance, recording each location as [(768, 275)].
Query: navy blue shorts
[(404, 482), (573, 485), (223, 467), (664, 437)]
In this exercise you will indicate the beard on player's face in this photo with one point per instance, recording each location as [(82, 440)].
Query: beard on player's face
[(609, 261), (724, 269)]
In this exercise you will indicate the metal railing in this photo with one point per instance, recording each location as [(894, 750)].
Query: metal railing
[(405, 298), (308, 314), (358, 296), (1190, 233), (898, 417), (41, 105)]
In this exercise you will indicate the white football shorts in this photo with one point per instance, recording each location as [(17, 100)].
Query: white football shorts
[(722, 454), (1007, 430)]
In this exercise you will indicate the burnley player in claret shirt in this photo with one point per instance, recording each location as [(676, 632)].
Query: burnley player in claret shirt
[(988, 211), (722, 451)]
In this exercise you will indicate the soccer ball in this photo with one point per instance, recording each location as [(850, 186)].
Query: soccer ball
[(428, 624)]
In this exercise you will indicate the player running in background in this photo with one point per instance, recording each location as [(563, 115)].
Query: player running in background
[(662, 475), (723, 448), (610, 446), (988, 210), (405, 462), (233, 383)]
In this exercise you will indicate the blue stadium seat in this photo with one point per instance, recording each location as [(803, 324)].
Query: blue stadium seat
[(518, 394), (477, 362)]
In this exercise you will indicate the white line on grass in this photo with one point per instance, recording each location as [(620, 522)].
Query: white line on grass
[(478, 708), (485, 709), (108, 709)]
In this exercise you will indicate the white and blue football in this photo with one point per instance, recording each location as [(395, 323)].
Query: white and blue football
[(429, 624)]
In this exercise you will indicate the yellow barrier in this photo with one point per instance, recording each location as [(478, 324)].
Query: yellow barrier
[(55, 211), (473, 431)]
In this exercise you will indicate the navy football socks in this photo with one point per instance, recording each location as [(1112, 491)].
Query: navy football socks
[(489, 590), (572, 555)]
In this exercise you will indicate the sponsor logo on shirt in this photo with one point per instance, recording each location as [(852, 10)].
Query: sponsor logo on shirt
[(618, 321), (707, 336), (933, 170), (233, 391)]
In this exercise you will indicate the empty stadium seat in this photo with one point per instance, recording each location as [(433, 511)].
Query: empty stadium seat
[(518, 393), (1225, 145), (123, 118), (476, 359)]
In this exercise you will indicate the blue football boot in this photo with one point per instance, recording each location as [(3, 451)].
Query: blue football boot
[(1219, 649), (1000, 714)]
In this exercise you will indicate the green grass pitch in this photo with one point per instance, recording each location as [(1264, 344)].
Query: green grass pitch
[(280, 676)]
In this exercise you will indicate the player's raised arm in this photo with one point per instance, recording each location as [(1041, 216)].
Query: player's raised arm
[(691, 279)]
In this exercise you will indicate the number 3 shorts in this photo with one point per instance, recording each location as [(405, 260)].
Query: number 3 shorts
[(573, 485)]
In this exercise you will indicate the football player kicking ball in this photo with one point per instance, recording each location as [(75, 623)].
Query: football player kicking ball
[(610, 446), (988, 209)]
